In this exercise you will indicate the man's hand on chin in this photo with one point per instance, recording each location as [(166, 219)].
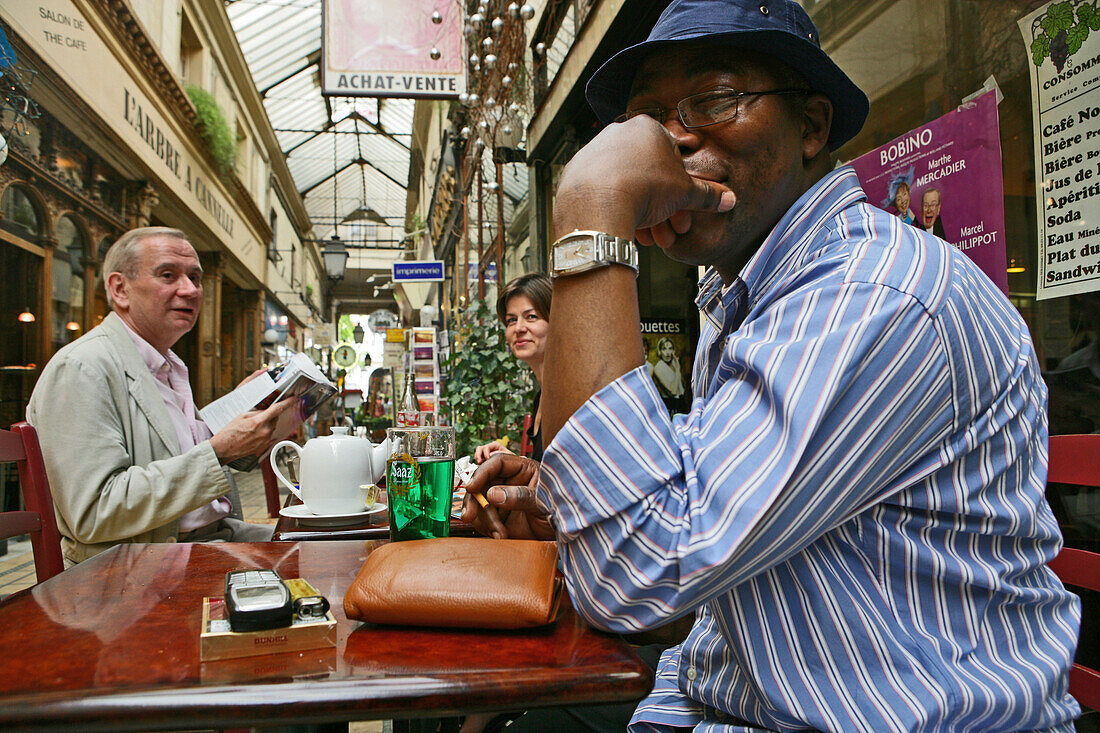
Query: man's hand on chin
[(631, 177)]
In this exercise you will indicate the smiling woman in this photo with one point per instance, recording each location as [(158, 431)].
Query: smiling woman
[(524, 308)]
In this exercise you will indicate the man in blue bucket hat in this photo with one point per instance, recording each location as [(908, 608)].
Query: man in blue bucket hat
[(853, 509)]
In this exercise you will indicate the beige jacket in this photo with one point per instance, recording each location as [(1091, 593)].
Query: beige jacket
[(111, 452)]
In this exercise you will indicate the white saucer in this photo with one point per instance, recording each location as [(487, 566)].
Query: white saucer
[(305, 516)]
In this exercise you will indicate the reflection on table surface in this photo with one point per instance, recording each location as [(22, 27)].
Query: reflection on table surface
[(376, 527), (114, 644)]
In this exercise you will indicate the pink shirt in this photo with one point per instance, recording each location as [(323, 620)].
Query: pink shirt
[(170, 374)]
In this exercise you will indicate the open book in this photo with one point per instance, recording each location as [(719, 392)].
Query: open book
[(297, 377)]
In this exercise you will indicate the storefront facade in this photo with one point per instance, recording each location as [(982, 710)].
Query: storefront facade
[(116, 145), (921, 60)]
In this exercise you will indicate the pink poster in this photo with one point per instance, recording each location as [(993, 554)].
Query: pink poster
[(393, 48), (945, 177)]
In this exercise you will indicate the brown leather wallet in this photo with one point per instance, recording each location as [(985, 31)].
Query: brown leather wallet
[(464, 582)]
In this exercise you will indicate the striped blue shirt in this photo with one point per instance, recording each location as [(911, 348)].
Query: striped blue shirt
[(853, 508)]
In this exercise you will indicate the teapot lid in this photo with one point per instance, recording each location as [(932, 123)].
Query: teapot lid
[(340, 430)]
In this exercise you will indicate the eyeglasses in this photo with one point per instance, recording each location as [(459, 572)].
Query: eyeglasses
[(706, 108)]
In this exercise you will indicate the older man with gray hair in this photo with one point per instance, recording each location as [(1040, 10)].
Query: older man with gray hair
[(127, 457)]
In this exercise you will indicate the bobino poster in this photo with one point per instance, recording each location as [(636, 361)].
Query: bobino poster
[(945, 178), (668, 358)]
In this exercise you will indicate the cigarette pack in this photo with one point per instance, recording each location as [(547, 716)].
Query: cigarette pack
[(217, 641)]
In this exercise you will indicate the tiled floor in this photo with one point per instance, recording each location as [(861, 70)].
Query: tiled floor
[(17, 567)]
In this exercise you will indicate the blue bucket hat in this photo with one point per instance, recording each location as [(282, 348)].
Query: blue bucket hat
[(778, 28)]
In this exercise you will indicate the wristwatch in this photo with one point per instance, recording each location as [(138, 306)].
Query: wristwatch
[(582, 251)]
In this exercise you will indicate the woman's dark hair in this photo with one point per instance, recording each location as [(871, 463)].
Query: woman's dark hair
[(535, 286)]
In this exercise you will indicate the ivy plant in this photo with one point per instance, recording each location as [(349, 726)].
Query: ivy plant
[(488, 389), (213, 129)]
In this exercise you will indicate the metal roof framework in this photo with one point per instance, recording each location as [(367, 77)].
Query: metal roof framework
[(349, 156)]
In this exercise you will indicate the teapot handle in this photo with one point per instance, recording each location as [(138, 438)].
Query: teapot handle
[(275, 466)]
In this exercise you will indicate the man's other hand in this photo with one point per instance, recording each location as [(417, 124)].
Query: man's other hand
[(507, 482), (250, 434)]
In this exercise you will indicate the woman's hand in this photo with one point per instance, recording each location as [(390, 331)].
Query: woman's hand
[(482, 452)]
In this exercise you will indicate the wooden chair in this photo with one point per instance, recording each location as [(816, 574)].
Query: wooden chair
[(1075, 459), (525, 446), (1082, 569), (20, 446), (271, 487)]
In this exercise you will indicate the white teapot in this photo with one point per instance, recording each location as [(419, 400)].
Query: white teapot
[(332, 470)]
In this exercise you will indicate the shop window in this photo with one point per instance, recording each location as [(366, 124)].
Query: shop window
[(244, 155), (273, 243), (68, 282), (191, 54), (918, 60), (18, 338), (69, 234), (99, 306), (21, 215), (557, 33)]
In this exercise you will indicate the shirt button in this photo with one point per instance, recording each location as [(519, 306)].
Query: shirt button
[(691, 673)]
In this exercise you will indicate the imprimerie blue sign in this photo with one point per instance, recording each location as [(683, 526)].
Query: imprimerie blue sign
[(412, 271)]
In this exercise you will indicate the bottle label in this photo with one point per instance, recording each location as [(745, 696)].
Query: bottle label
[(403, 474), (408, 418)]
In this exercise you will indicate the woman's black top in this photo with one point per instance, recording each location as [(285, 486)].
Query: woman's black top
[(535, 439)]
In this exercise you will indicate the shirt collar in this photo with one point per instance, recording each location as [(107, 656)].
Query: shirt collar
[(152, 358), (785, 246), (718, 302)]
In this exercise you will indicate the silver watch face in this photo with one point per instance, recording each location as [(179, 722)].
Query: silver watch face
[(574, 253)]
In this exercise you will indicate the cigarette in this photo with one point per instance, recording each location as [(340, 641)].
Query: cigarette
[(481, 500)]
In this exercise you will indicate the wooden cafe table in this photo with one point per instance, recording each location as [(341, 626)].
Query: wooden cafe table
[(113, 644)]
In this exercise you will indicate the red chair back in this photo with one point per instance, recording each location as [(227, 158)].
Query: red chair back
[(1082, 569), (20, 446), (271, 486), (1075, 459), (525, 446)]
